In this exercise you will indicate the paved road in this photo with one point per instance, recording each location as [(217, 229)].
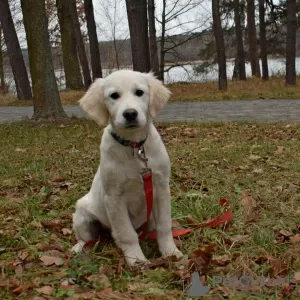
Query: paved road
[(255, 110)]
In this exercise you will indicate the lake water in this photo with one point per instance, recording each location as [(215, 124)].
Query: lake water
[(186, 73)]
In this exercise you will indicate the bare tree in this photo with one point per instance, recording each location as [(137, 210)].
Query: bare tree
[(138, 27), (152, 38), (46, 100), (175, 16), (290, 77), (69, 47), (263, 40), (114, 27), (93, 39), (14, 52), (80, 45), (239, 41), (252, 39), (2, 74), (218, 32)]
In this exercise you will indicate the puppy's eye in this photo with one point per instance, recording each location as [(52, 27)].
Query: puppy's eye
[(115, 96), (139, 93)]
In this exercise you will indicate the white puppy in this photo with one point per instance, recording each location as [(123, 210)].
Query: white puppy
[(127, 101)]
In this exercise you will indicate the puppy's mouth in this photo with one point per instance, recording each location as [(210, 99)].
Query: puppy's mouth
[(131, 125)]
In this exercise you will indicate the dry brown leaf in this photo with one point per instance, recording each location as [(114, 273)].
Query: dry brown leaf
[(22, 255), (254, 157), (51, 224), (285, 233), (99, 280), (23, 288), (278, 267), (191, 221), (46, 290), (67, 231), (279, 150), (107, 270), (222, 260), (52, 260), (248, 202), (201, 258), (10, 283), (85, 295), (295, 239), (297, 276)]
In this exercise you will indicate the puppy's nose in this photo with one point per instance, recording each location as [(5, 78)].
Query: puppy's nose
[(130, 114)]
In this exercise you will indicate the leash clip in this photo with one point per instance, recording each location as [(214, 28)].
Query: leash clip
[(142, 156)]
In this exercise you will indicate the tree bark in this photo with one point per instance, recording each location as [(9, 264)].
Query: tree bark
[(152, 38), (263, 40), (2, 75), (162, 43), (69, 49), (46, 100), (290, 77), (218, 32), (80, 46), (252, 40), (14, 52), (94, 44), (239, 41), (138, 28)]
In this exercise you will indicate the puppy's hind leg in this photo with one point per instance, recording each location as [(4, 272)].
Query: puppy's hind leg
[(86, 228)]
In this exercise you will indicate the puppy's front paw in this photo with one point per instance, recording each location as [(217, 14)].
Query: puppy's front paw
[(171, 252), (135, 257), (78, 247)]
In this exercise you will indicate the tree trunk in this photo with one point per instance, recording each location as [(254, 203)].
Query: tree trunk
[(46, 101), (2, 75), (252, 40), (68, 43), (162, 43), (14, 52), (290, 77), (80, 46), (239, 41), (263, 40), (152, 38), (92, 33), (138, 28), (218, 32)]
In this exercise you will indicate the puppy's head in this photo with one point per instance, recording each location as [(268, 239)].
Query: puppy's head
[(127, 99)]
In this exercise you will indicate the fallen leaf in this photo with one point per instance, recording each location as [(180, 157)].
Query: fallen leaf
[(278, 267), (248, 202), (10, 283), (46, 290), (254, 157), (221, 260), (107, 270), (51, 224), (23, 288), (20, 150), (287, 290), (51, 260), (285, 233), (66, 231), (201, 258), (153, 263), (191, 221), (295, 239), (279, 150), (120, 266), (297, 276), (22, 255), (99, 281)]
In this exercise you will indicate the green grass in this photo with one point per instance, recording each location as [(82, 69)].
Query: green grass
[(252, 89), (45, 168)]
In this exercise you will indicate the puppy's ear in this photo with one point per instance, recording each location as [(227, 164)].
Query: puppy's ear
[(93, 103), (159, 95)]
